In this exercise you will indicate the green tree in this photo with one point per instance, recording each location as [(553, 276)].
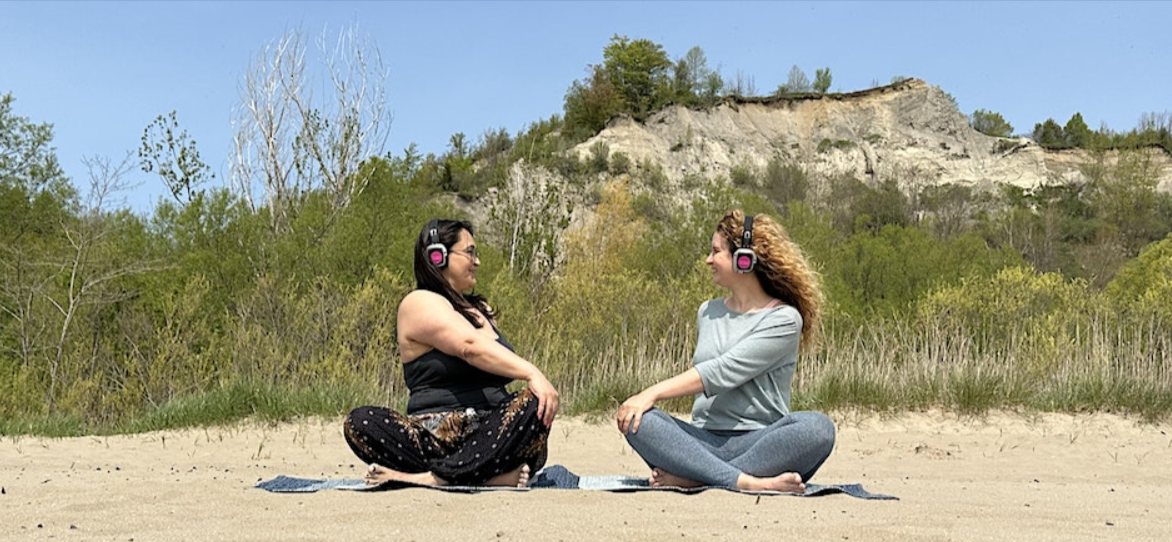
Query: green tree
[(35, 200), (822, 80), (636, 77), (590, 104), (682, 87), (61, 282), (1143, 286), (1043, 224), (881, 206), (696, 64), (173, 155), (378, 229), (1077, 132), (783, 182), (692, 77), (28, 161), (870, 274), (947, 208), (838, 204), (689, 72), (1156, 128), (1127, 200), (639, 70), (990, 123), (213, 236), (457, 173), (1050, 135), (711, 87), (796, 82)]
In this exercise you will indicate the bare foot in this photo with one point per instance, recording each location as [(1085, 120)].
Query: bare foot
[(523, 476), (662, 478), (378, 474), (787, 482), (518, 477)]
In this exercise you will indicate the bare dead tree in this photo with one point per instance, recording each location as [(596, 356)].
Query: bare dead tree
[(354, 122), (22, 284), (743, 85), (1155, 121), (87, 262), (264, 125), (287, 143), (529, 216)]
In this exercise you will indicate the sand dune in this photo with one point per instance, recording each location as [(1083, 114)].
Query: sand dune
[(1001, 477)]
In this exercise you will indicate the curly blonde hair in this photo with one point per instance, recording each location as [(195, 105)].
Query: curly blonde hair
[(781, 267)]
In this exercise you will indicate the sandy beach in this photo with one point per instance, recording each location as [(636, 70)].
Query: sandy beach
[(1000, 477)]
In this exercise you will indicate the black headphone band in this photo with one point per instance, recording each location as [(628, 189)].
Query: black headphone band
[(747, 235), (433, 231), (744, 258)]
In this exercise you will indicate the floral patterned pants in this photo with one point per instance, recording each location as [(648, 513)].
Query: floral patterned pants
[(465, 447)]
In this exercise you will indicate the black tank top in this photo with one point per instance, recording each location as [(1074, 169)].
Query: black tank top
[(439, 382)]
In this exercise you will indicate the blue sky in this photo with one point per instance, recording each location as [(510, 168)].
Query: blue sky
[(100, 72)]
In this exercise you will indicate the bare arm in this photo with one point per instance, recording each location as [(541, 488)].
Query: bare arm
[(630, 413), (427, 320)]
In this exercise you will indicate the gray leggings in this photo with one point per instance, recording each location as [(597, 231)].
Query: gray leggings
[(799, 443)]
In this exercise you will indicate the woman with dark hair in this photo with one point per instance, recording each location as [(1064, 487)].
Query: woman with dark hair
[(462, 427), (742, 433)]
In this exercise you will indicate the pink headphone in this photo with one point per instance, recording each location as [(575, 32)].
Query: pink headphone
[(437, 253)]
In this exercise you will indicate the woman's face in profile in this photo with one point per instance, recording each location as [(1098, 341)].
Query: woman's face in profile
[(462, 263), (719, 260)]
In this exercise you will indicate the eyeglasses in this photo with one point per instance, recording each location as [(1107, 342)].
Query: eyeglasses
[(470, 252)]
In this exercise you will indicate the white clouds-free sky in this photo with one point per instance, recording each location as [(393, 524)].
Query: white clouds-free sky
[(101, 71)]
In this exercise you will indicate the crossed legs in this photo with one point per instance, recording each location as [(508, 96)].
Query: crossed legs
[(500, 447), (781, 457)]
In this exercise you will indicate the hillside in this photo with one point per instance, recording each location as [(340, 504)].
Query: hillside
[(910, 131)]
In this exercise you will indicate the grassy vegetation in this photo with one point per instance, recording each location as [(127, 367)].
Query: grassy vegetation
[(892, 367), (1054, 299)]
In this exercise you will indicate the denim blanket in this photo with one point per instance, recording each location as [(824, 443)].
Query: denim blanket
[(552, 477)]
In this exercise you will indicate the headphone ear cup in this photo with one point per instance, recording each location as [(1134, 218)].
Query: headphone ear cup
[(744, 260), (437, 255)]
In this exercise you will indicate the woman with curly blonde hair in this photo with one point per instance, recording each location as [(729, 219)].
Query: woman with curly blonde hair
[(742, 433)]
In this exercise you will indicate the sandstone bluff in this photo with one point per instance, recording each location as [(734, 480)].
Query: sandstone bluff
[(909, 131)]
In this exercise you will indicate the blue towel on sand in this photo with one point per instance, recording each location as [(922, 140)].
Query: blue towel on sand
[(551, 477)]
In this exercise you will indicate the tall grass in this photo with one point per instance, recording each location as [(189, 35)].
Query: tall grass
[(1108, 365), (605, 326), (1061, 361), (625, 367)]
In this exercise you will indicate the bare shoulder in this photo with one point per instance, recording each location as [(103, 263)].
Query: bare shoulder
[(423, 299), (422, 306)]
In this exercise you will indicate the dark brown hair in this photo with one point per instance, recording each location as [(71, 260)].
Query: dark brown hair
[(429, 277)]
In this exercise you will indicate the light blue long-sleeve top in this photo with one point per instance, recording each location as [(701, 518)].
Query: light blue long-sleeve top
[(746, 362)]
